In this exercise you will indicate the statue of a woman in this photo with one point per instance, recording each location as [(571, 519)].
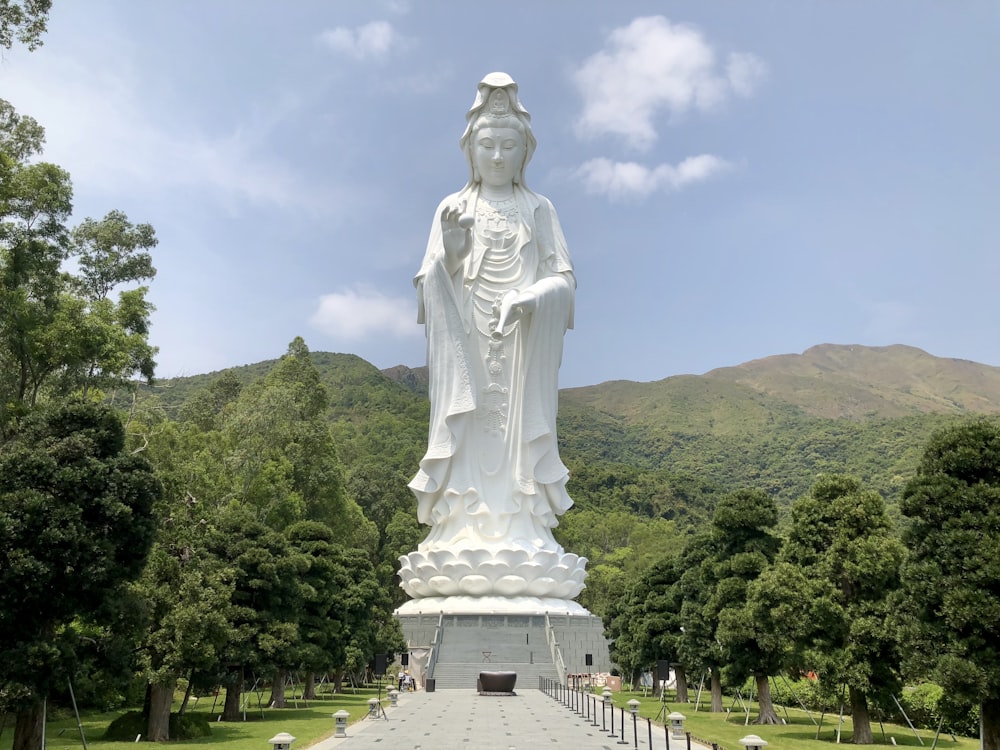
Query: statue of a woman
[(495, 292)]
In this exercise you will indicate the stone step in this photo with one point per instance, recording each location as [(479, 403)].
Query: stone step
[(463, 676)]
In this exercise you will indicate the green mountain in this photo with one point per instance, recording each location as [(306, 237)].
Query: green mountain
[(774, 423)]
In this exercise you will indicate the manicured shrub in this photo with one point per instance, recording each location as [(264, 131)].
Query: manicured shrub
[(187, 727)]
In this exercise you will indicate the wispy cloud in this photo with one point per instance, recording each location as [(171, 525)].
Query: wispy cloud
[(629, 179), (362, 312), (654, 66), (99, 127), (373, 41)]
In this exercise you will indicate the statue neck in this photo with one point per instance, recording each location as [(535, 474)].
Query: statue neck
[(493, 193)]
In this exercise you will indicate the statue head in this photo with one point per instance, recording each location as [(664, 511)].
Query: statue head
[(497, 106)]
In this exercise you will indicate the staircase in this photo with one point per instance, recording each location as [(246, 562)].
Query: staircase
[(470, 644)]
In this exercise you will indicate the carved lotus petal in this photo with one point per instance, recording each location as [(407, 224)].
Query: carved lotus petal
[(476, 585), (457, 569), (529, 570), (443, 586), (510, 585), (494, 569)]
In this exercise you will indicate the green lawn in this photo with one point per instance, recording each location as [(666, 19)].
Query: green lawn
[(799, 733), (313, 722), (309, 723)]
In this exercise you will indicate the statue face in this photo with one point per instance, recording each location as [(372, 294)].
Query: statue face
[(499, 154)]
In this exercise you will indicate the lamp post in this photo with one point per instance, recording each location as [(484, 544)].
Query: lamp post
[(676, 720), (633, 708), (753, 742), (340, 723), (606, 696), (282, 741)]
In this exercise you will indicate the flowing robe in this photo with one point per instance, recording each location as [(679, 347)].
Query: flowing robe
[(492, 476)]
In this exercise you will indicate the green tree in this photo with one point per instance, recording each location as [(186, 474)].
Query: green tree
[(842, 541), (23, 21), (744, 546), (76, 524), (382, 493), (697, 647), (280, 455), (35, 202), (59, 332), (185, 591), (266, 598), (953, 572)]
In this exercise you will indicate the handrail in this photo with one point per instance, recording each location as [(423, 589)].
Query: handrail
[(435, 646), (557, 659)]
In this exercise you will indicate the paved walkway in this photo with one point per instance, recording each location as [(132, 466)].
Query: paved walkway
[(465, 720)]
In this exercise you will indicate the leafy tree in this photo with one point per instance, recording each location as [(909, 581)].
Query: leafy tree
[(953, 574), (843, 543), (35, 202), (57, 331), (619, 545), (281, 459), (266, 598), (185, 591), (383, 495), (697, 647), (743, 548), (76, 524), (23, 21)]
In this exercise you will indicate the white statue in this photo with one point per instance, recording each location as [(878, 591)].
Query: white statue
[(495, 292)]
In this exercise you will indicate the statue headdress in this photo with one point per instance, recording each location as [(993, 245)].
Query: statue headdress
[(497, 98)]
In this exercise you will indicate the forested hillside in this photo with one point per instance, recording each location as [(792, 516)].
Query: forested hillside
[(648, 461)]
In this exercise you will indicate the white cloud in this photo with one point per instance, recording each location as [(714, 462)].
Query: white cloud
[(362, 312), (627, 179), (745, 72), (650, 66), (373, 41), (99, 128)]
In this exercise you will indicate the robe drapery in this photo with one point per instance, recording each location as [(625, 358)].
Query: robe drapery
[(492, 473)]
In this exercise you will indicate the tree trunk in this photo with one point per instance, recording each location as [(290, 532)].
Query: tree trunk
[(859, 715), (989, 713), (309, 689), (161, 698), (766, 713), (681, 683), (187, 694), (278, 690), (30, 728), (231, 711), (716, 692), (338, 681)]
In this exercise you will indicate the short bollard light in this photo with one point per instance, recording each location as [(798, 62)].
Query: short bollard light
[(393, 698), (340, 723), (372, 707), (282, 741), (753, 742), (676, 720)]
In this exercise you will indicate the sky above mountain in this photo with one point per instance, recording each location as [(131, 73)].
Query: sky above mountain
[(735, 180)]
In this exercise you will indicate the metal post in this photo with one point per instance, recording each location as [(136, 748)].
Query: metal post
[(688, 739), (623, 741)]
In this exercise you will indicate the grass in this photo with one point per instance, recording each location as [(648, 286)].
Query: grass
[(798, 733), (311, 722)]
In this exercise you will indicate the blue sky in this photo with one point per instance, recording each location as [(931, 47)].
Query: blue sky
[(735, 179)]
